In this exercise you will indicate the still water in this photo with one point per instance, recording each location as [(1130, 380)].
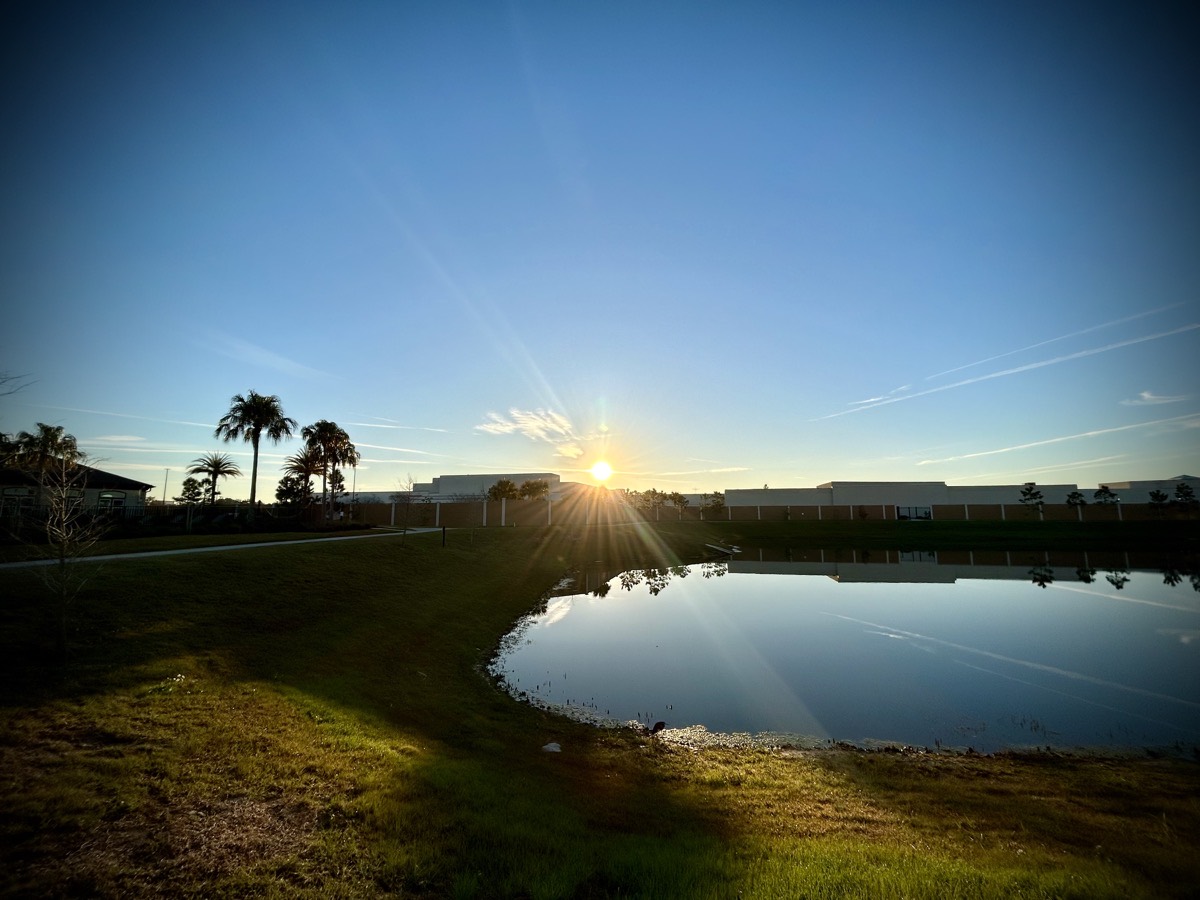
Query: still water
[(915, 653)]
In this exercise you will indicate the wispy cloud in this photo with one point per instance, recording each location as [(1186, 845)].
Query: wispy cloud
[(1023, 474), (1028, 367), (543, 426), (359, 444), (1063, 337), (1184, 420), (1149, 398), (115, 439), (101, 412), (392, 423), (245, 352), (717, 471), (536, 424)]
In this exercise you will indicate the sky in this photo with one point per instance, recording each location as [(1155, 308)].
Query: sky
[(718, 245)]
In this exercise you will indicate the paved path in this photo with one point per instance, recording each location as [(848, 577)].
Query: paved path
[(144, 554)]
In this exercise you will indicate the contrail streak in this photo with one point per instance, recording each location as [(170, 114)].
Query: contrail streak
[(1017, 370), (1053, 340), (1058, 440), (101, 412)]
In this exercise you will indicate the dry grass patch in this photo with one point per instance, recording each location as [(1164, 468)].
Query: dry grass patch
[(185, 783)]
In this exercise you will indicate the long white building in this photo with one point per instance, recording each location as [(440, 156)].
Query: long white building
[(921, 495)]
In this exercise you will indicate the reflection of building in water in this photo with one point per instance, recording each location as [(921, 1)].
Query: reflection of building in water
[(925, 500), (945, 567), (902, 567)]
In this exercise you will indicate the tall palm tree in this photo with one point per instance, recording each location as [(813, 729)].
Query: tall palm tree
[(49, 455), (335, 449), (248, 418), (305, 465), (37, 451), (214, 465)]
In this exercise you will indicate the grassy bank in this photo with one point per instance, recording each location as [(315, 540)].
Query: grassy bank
[(312, 721)]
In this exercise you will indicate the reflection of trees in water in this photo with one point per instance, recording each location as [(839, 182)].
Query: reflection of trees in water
[(1118, 578), (1042, 575), (656, 579), (1174, 577)]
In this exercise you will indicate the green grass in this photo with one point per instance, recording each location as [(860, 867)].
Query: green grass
[(314, 721)]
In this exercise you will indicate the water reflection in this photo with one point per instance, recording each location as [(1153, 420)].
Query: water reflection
[(930, 649), (1041, 568)]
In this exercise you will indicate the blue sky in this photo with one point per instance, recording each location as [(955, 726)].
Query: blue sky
[(720, 245)]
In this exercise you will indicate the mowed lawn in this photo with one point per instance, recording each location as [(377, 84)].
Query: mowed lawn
[(315, 720)]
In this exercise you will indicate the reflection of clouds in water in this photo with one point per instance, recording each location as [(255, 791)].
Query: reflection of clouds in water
[(1185, 635), (556, 610), (1102, 595), (1036, 666), (1070, 696)]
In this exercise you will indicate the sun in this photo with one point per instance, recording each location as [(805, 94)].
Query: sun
[(602, 471)]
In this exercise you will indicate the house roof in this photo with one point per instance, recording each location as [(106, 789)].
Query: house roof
[(93, 479)]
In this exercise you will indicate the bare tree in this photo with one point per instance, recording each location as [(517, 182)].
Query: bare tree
[(71, 532), (68, 530)]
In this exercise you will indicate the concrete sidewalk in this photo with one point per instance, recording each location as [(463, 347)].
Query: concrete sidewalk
[(146, 554)]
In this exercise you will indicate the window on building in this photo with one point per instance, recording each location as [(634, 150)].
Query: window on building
[(16, 500), (112, 500), (914, 512), (918, 556)]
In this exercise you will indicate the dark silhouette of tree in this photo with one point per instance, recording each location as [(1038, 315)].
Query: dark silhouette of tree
[(44, 451), (249, 418), (1032, 499), (714, 503), (214, 465), (504, 489), (1105, 496), (1158, 502), (534, 489), (336, 449), (1184, 495), (1075, 498), (190, 493), (293, 491), (304, 466)]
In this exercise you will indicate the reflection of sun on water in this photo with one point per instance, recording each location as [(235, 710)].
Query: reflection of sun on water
[(601, 471)]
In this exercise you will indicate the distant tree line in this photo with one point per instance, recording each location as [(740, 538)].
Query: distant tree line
[(1185, 497)]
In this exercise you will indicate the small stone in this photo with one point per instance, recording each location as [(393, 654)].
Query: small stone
[(552, 747)]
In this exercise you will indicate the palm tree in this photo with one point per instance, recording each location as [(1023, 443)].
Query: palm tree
[(306, 464), (47, 454), (36, 452), (214, 465), (248, 418), (335, 449)]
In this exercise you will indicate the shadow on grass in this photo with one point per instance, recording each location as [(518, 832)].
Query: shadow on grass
[(395, 637), (389, 638)]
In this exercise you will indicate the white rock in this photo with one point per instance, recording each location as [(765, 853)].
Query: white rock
[(552, 748)]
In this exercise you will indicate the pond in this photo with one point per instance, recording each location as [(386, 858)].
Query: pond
[(876, 648)]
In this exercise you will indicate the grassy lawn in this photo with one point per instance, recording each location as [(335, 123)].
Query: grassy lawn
[(313, 721)]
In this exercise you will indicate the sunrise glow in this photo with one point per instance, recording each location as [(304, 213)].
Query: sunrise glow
[(602, 471)]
